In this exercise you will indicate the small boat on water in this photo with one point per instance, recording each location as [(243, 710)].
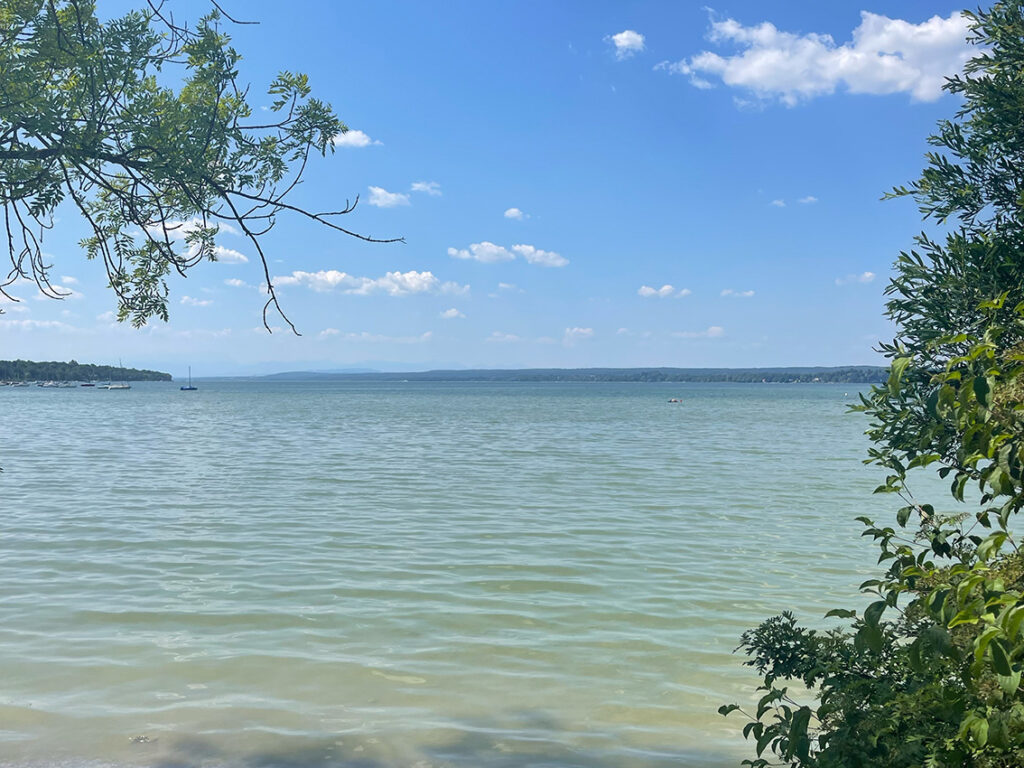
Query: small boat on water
[(123, 385), (189, 388)]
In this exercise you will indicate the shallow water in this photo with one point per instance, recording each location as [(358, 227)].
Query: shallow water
[(410, 574)]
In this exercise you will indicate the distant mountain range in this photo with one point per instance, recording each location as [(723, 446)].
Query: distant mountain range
[(854, 374)]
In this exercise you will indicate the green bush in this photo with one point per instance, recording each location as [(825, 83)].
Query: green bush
[(929, 673)]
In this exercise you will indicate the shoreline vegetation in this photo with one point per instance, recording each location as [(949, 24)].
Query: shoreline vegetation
[(27, 370), (853, 374)]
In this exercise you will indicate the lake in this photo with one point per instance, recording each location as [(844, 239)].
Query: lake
[(411, 574)]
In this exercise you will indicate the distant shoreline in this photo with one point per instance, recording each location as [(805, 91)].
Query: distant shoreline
[(852, 374)]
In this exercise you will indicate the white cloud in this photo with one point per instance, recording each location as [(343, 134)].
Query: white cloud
[(234, 282), (381, 198), (352, 138), (376, 338), (486, 252), (572, 335), (863, 277), (627, 43), (195, 302), (808, 200), (67, 280), (711, 332), (229, 256), (502, 338), (537, 256), (430, 187), (489, 253), (623, 332), (392, 283), (737, 294), (515, 213), (451, 314), (509, 287), (779, 203), (10, 305), (883, 56), (28, 324), (664, 292)]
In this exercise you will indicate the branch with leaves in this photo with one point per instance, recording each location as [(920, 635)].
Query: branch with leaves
[(155, 171)]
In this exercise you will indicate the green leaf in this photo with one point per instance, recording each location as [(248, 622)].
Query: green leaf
[(873, 613), (725, 709), (983, 390), (1010, 683), (1000, 658), (799, 744), (965, 616), (841, 613)]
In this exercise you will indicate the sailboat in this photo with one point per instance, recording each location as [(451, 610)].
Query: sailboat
[(123, 384), (189, 388)]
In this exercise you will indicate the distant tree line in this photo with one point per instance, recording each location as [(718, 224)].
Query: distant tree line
[(858, 374), (26, 370)]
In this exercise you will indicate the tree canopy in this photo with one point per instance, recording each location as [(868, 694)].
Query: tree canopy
[(143, 125), (929, 674)]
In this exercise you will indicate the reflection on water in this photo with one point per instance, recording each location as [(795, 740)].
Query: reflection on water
[(410, 575)]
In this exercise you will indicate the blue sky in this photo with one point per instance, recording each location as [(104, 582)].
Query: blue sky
[(553, 168)]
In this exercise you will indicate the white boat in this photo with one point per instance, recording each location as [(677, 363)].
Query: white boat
[(124, 384)]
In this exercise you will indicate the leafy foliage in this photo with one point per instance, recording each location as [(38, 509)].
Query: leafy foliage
[(929, 673), (86, 119), (27, 370)]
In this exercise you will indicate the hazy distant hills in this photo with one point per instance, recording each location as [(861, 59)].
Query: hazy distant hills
[(854, 374)]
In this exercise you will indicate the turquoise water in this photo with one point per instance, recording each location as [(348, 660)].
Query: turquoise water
[(381, 575)]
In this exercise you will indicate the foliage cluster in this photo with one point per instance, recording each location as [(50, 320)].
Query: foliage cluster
[(142, 126), (27, 370), (929, 674)]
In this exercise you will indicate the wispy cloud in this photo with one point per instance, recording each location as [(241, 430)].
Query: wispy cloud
[(627, 43), (234, 282), (451, 314), (711, 332), (883, 56), (428, 187), (779, 203), (664, 292), (808, 200), (490, 253), (537, 256), (392, 283), (381, 198), (515, 213), (573, 335), (498, 337), (737, 294), (191, 302), (375, 338), (27, 324), (863, 277), (229, 255), (485, 252), (351, 138)]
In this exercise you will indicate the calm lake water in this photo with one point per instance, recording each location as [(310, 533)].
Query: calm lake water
[(378, 575)]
